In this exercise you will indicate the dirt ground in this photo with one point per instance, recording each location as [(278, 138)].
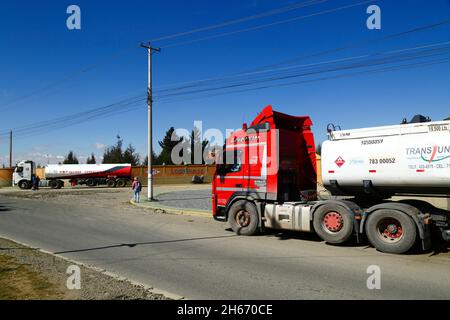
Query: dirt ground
[(26, 273), (99, 197)]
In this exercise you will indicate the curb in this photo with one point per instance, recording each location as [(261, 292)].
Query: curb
[(172, 210), (167, 294)]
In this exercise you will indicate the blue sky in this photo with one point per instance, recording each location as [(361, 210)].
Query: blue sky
[(37, 49)]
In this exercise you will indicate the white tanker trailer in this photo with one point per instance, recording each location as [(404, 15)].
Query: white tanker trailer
[(380, 162), (91, 175)]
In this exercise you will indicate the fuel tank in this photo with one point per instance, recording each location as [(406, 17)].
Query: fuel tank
[(74, 171), (411, 158)]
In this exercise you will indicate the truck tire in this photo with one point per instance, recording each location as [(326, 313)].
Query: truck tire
[(53, 184), (391, 231), (91, 182), (121, 183), (333, 223), (24, 185), (60, 184), (111, 183), (243, 218)]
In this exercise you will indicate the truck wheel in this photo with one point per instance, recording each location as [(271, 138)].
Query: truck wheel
[(90, 182), (53, 184), (334, 224), (60, 184), (121, 183), (243, 218), (24, 185), (111, 183), (391, 231)]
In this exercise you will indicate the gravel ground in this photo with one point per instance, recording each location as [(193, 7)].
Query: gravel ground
[(95, 285), (105, 197), (191, 199)]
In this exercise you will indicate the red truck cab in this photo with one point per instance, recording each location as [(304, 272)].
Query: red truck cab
[(273, 160)]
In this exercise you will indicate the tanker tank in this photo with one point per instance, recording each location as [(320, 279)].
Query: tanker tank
[(411, 158), (77, 171)]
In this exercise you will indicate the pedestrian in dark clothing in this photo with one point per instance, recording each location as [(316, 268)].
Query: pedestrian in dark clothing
[(36, 183), (33, 182)]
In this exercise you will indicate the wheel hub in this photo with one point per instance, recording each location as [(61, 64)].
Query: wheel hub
[(391, 229), (333, 221), (243, 218)]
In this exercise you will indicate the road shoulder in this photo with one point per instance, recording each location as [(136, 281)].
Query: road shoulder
[(36, 271)]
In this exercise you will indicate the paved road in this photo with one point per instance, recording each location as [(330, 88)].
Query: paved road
[(200, 258)]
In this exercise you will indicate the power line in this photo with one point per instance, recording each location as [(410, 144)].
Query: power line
[(285, 9), (129, 104), (266, 25), (349, 75), (211, 86), (77, 117), (120, 53), (309, 56)]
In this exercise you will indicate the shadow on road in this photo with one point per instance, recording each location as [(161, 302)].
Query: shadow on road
[(132, 245), (4, 208)]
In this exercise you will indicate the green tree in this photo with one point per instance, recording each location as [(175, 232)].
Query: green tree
[(114, 154), (70, 158), (155, 160), (91, 159), (167, 144), (130, 156)]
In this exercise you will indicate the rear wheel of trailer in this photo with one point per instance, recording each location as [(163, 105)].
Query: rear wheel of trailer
[(121, 183), (391, 231)]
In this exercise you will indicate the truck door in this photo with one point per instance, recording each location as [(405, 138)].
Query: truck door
[(229, 177)]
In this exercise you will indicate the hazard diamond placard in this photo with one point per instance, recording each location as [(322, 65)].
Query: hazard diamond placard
[(339, 162)]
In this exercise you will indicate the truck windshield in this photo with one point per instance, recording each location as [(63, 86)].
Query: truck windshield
[(231, 162)]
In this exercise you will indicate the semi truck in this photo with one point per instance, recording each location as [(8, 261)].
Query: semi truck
[(111, 175), (266, 177)]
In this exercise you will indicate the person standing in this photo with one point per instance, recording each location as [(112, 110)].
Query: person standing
[(33, 182), (36, 182), (137, 188)]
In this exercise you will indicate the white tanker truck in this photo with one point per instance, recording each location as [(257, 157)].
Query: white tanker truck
[(91, 175)]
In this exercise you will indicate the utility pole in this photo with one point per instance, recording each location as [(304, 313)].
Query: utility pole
[(150, 51), (10, 148)]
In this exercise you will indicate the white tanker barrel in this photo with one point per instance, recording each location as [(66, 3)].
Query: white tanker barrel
[(403, 159), (77, 171)]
